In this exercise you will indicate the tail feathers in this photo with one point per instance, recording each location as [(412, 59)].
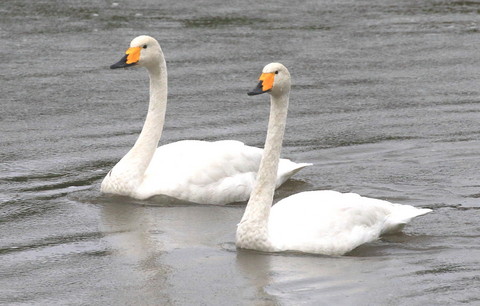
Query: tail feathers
[(400, 216), (287, 169)]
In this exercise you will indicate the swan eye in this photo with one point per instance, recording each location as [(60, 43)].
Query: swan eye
[(276, 72), (144, 46)]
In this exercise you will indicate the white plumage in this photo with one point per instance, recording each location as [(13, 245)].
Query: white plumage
[(320, 222), (207, 172), (191, 170), (334, 223)]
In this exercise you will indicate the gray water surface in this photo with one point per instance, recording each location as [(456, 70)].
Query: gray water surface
[(385, 102)]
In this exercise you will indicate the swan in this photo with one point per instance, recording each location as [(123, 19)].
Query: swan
[(317, 222), (196, 171)]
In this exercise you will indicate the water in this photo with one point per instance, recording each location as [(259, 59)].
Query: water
[(385, 103)]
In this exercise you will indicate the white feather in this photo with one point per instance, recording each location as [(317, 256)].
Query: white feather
[(334, 223), (207, 172)]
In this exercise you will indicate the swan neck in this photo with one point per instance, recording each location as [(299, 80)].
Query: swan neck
[(139, 157), (258, 207)]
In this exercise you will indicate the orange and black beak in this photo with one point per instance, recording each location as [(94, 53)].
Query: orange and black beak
[(132, 56), (265, 84)]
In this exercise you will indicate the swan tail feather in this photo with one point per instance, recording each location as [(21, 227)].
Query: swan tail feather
[(400, 216), (287, 169)]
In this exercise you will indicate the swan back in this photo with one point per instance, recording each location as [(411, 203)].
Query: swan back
[(334, 223)]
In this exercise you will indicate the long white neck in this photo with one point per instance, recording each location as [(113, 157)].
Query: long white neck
[(136, 161), (255, 219)]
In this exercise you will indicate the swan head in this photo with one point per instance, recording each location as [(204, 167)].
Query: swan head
[(275, 79), (144, 51)]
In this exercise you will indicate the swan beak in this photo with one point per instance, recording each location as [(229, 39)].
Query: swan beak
[(132, 56), (265, 84)]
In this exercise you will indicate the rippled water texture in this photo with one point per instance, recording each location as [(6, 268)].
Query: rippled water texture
[(385, 103)]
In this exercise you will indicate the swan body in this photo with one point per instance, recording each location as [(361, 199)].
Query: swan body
[(319, 222), (191, 170), (334, 223), (232, 169)]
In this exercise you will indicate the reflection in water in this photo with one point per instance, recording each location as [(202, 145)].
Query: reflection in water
[(127, 229), (136, 250), (354, 279), (307, 278), (256, 269)]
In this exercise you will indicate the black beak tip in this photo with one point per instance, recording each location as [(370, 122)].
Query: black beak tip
[(257, 90), (121, 63)]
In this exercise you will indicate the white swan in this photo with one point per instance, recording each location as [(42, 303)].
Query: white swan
[(196, 171), (320, 222)]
